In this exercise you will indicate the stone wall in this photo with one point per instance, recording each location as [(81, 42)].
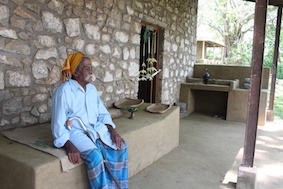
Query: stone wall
[(36, 37)]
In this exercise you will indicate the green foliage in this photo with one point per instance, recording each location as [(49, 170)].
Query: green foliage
[(213, 53), (209, 54), (131, 109), (229, 21), (270, 42), (241, 53), (278, 99), (280, 72)]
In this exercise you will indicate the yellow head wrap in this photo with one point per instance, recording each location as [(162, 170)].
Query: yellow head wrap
[(70, 65)]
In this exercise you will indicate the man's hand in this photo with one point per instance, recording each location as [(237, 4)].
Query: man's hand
[(116, 138), (72, 152)]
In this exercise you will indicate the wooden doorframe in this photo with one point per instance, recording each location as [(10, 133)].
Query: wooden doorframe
[(155, 95)]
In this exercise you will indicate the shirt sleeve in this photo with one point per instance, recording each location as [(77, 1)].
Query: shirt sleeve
[(59, 117), (103, 114)]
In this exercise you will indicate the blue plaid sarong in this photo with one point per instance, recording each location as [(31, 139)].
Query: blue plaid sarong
[(117, 160)]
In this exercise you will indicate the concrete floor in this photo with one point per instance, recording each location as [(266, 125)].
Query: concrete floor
[(209, 155)]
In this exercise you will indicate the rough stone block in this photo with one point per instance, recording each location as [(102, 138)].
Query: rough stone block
[(4, 13), (72, 27), (46, 40), (24, 13), (9, 33), (17, 79), (33, 7), (39, 70), (56, 5), (51, 22), (92, 31), (17, 47), (12, 106), (46, 54)]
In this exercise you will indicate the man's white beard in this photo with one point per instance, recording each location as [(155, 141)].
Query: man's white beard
[(88, 77)]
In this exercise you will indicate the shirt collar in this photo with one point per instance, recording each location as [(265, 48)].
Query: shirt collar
[(78, 85)]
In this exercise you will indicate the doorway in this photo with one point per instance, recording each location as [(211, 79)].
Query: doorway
[(149, 63)]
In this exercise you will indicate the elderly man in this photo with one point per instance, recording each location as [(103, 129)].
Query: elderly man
[(83, 126)]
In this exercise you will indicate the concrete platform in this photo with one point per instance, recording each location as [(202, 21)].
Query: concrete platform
[(26, 168), (210, 153), (149, 137), (219, 99)]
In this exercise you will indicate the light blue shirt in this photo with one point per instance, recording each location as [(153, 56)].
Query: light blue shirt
[(70, 100)]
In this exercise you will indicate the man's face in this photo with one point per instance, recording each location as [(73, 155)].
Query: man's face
[(84, 74)]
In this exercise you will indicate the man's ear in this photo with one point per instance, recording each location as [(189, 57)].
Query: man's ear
[(75, 73)]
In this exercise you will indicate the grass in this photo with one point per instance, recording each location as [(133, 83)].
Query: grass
[(278, 99)]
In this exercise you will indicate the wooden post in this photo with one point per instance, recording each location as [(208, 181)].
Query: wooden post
[(256, 75), (275, 58), (203, 51)]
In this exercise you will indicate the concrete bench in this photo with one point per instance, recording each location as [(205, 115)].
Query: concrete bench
[(149, 137)]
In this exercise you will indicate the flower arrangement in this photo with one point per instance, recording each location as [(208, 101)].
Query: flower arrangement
[(148, 70)]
